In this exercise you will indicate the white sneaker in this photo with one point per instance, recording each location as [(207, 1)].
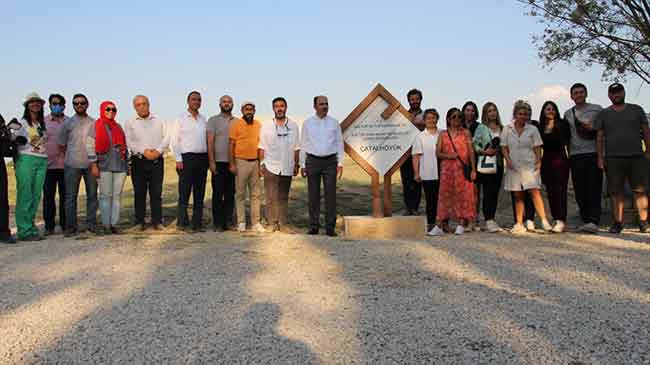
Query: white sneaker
[(559, 227), (546, 226), (259, 228), (241, 227), (589, 228), (518, 229), (460, 230), (530, 225), (492, 226), (436, 231)]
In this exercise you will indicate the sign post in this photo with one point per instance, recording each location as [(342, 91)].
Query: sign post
[(378, 135)]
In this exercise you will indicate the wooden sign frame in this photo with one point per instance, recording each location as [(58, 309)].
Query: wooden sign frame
[(378, 210)]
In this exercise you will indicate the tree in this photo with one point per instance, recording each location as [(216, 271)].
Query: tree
[(612, 33)]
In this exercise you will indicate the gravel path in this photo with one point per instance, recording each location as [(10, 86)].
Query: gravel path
[(538, 299)]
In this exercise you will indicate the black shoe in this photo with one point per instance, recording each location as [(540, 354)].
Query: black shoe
[(157, 227), (143, 227), (90, 229), (616, 228), (49, 232), (313, 231), (644, 227), (218, 229), (331, 233), (70, 233), (8, 239), (198, 229), (114, 230), (275, 228)]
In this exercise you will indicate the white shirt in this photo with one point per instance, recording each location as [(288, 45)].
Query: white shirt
[(189, 135), (321, 137), (147, 133), (425, 145), (279, 143)]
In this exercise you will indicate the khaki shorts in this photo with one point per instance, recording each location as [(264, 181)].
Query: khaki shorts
[(634, 170)]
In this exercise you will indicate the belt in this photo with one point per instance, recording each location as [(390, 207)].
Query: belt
[(249, 159), (321, 157)]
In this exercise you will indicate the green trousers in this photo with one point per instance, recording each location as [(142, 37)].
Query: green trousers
[(30, 175)]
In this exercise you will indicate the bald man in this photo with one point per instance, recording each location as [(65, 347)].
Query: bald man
[(147, 139)]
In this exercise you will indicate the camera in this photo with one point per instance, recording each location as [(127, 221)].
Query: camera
[(9, 141), (495, 143)]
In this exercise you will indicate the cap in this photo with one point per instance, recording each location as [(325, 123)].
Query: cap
[(248, 103), (33, 96), (615, 87)]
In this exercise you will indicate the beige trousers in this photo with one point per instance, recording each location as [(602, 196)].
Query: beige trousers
[(247, 178)]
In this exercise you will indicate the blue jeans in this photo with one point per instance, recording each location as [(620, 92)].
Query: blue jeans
[(110, 194), (72, 180)]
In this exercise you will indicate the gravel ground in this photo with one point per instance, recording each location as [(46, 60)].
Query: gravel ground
[(538, 299)]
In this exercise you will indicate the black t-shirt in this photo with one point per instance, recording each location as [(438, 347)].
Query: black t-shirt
[(558, 139)]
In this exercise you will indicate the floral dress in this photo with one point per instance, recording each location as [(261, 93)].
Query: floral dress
[(456, 198)]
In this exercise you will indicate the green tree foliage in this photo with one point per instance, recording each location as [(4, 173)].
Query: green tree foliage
[(612, 33)]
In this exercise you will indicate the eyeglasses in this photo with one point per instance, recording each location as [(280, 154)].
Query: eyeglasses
[(109, 109), (78, 103)]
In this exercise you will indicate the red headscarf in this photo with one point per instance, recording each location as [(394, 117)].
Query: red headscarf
[(102, 143)]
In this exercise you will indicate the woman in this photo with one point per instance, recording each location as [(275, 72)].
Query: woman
[(487, 145), (425, 164), (31, 166), (529, 207), (556, 135), (522, 150), (469, 112), (111, 165), (456, 197)]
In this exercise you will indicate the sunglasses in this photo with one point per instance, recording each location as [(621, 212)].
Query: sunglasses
[(109, 109), (455, 116), (78, 103)]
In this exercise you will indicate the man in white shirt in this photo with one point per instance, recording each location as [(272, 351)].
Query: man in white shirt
[(279, 159), (147, 140), (191, 151), (321, 158)]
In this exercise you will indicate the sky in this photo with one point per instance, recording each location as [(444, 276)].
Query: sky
[(453, 51)]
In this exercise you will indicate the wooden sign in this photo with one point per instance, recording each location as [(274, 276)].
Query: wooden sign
[(378, 135)]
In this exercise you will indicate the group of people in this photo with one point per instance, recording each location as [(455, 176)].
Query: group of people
[(239, 153), (454, 167)]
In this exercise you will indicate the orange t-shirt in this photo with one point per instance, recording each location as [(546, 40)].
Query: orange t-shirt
[(246, 137)]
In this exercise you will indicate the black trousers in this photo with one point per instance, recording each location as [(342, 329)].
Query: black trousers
[(431, 188), (4, 201), (147, 178), (223, 196), (529, 207), (412, 190), (588, 186), (54, 179), (322, 169), (491, 185), (192, 181)]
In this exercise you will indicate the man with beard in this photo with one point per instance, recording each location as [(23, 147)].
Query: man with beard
[(191, 151), (223, 181), (621, 155), (279, 161), (412, 190), (245, 165)]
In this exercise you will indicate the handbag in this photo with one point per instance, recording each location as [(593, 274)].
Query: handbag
[(582, 131), (467, 170), (487, 165)]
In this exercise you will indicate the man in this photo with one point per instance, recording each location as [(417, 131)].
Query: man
[(147, 140), (191, 151), (279, 160), (223, 181), (412, 190), (321, 158), (55, 166), (586, 176), (77, 142), (244, 164), (6, 150), (621, 155)]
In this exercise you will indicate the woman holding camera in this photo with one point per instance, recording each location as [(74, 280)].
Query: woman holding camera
[(487, 145), (556, 135), (31, 166)]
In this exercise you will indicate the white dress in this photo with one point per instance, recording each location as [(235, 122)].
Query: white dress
[(524, 176)]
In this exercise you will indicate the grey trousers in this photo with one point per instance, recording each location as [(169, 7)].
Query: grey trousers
[(319, 168), (277, 189)]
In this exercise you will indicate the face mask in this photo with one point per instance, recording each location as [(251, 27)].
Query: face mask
[(57, 109)]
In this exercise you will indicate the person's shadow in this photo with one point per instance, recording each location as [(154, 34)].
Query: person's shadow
[(258, 341)]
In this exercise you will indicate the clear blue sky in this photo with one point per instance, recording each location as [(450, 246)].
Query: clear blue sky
[(255, 50)]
